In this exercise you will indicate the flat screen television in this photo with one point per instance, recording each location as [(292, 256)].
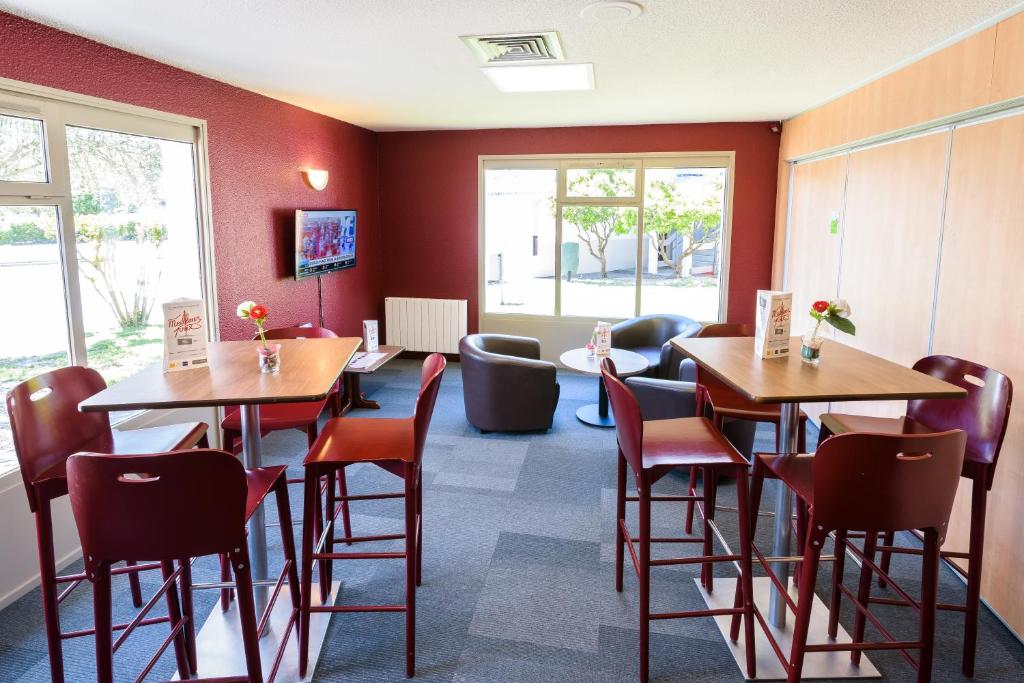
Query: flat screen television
[(325, 241)]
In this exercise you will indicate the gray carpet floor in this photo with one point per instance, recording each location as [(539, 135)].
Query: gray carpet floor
[(518, 570)]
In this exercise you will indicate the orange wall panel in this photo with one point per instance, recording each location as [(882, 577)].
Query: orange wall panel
[(1008, 65), (955, 79), (979, 316)]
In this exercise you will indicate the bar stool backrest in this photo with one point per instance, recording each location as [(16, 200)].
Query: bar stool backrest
[(162, 506), (983, 413), (298, 333), (629, 424), (887, 482), (47, 426), (430, 383), (721, 330)]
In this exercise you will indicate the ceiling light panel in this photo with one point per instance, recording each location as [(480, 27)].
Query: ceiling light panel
[(541, 77)]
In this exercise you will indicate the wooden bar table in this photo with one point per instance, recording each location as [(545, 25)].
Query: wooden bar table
[(843, 374), (309, 370)]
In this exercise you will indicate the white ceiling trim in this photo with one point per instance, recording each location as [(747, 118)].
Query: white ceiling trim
[(399, 64)]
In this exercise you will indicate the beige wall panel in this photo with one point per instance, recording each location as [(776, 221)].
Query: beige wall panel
[(947, 82), (812, 264), (1008, 67), (891, 232), (781, 213), (980, 316)]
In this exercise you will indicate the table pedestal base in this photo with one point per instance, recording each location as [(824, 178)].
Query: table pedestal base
[(354, 396), (219, 642), (816, 664), (591, 415)]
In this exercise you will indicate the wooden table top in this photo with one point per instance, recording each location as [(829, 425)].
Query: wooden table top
[(843, 374), (390, 352), (627, 363), (309, 369)]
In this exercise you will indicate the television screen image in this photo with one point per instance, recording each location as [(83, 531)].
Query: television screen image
[(325, 241)]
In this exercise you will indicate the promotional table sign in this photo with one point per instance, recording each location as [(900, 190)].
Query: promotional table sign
[(370, 339), (184, 335), (603, 342), (774, 314)]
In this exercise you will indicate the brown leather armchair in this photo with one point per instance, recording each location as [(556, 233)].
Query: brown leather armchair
[(506, 387), (649, 336)]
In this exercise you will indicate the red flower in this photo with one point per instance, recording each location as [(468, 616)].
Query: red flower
[(819, 306), (260, 311)]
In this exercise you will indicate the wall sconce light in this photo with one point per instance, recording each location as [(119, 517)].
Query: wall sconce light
[(317, 178)]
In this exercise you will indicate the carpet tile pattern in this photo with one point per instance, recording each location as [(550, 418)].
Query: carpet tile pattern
[(518, 569)]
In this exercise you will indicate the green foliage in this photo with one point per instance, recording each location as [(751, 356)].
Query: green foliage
[(842, 324), (99, 237), (836, 314), (86, 204), (671, 216), (26, 233), (596, 225)]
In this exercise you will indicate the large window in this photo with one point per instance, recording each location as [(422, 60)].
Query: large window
[(99, 225), (606, 237)]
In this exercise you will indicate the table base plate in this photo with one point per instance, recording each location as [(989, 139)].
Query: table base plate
[(219, 643), (816, 664), (590, 415)]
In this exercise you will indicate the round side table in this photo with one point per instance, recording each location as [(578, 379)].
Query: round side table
[(627, 364)]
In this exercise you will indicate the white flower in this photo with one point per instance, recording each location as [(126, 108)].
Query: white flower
[(243, 309), (841, 308)]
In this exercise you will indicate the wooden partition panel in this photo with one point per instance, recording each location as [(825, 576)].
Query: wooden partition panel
[(812, 262), (892, 241), (979, 316), (944, 83), (891, 231)]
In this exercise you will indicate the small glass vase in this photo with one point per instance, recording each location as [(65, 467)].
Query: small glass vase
[(810, 350), (270, 358)]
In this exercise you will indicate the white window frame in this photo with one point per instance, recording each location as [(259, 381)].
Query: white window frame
[(561, 163), (58, 109)]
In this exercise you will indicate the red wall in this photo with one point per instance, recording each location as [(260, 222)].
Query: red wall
[(418, 189), (429, 199), (258, 147)]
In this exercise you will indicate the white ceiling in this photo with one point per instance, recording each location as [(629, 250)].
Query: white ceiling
[(399, 64)]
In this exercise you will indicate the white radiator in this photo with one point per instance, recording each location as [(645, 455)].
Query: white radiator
[(425, 324)]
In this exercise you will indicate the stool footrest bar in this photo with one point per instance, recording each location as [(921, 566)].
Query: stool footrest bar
[(367, 539), (116, 627), (358, 608), (358, 556), (694, 560), (724, 611)]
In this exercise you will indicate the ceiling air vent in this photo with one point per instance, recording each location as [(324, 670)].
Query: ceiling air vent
[(516, 48)]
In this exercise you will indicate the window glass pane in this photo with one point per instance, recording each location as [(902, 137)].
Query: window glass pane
[(36, 337), (519, 239), (683, 213), (22, 158), (600, 182), (599, 261), (137, 238)]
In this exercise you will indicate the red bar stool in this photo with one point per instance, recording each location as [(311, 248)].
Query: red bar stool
[(396, 445), (47, 427), (167, 508), (726, 404), (653, 449), (872, 483), (984, 414), (285, 416)]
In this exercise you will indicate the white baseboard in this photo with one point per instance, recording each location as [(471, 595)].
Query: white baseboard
[(32, 582)]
